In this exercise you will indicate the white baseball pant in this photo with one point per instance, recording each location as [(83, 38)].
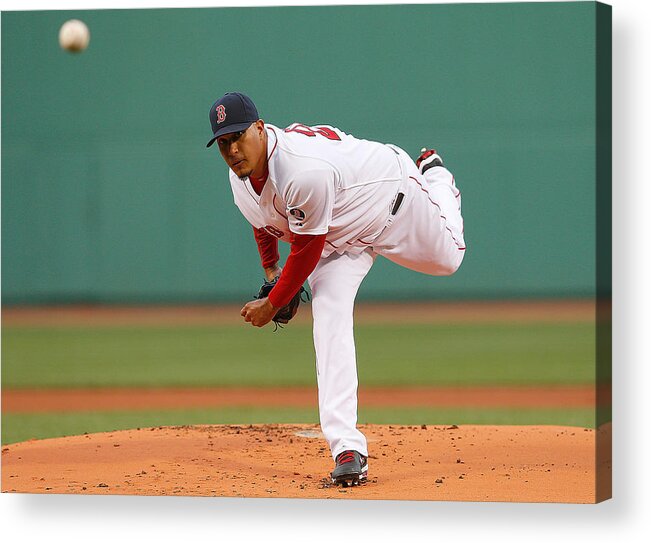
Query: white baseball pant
[(425, 235)]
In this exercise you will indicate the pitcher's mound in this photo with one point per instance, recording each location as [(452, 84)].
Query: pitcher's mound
[(469, 463)]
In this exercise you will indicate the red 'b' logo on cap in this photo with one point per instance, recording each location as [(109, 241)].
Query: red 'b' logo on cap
[(221, 113)]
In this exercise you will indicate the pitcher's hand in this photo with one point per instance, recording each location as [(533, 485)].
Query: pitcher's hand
[(258, 312)]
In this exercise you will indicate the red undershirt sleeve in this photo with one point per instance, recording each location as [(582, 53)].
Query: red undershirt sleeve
[(303, 257), (267, 247)]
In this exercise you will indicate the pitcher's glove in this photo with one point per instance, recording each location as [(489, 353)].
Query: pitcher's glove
[(287, 312)]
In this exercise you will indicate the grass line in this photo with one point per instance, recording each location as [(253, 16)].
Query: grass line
[(21, 427)]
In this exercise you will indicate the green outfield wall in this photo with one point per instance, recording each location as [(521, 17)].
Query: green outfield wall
[(109, 194)]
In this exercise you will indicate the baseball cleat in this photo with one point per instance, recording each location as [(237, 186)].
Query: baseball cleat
[(351, 469), (428, 159)]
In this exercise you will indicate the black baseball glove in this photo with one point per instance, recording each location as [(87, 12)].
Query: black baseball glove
[(287, 312)]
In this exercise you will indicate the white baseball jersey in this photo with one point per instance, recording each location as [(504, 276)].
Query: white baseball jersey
[(322, 181)]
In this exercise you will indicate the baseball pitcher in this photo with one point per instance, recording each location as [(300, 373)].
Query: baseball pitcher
[(339, 202)]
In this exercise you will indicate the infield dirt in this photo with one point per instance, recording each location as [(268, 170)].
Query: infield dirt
[(107, 399), (466, 463)]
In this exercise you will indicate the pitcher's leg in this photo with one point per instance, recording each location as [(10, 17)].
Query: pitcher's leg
[(443, 202), (443, 190), (334, 284), (427, 233)]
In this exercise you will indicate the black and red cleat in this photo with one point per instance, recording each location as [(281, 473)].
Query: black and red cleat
[(351, 469), (428, 159)]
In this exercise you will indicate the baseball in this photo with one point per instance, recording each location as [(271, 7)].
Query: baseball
[(74, 36)]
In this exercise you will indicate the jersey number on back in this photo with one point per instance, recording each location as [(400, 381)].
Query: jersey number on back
[(312, 131)]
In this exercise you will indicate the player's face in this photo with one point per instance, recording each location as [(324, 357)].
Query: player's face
[(244, 151)]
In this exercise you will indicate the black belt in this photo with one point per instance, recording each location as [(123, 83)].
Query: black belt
[(398, 201)]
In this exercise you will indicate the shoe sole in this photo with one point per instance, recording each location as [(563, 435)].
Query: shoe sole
[(350, 479)]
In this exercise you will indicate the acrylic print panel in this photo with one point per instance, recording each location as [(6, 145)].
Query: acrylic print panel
[(127, 367)]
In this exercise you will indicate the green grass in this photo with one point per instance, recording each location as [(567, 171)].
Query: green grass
[(402, 355), (245, 356), (21, 427)]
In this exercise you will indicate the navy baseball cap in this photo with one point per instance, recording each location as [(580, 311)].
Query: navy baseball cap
[(231, 113)]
